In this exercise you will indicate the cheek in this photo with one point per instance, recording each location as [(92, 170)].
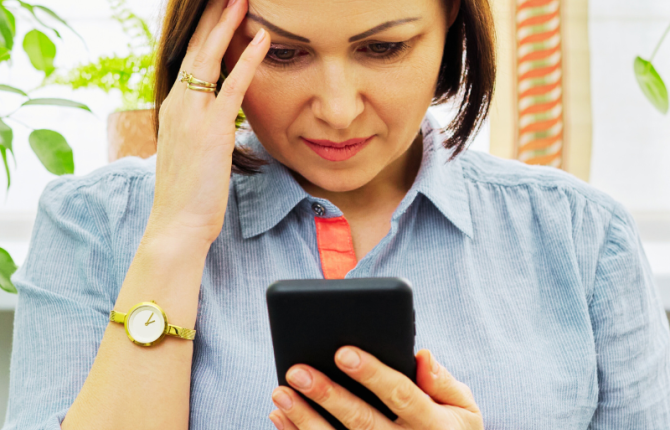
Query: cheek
[(275, 100), (402, 92), (271, 106)]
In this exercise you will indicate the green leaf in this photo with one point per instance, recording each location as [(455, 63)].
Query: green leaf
[(5, 55), (41, 51), (7, 268), (9, 89), (57, 102), (6, 135), (7, 28), (55, 16), (3, 152), (651, 84), (53, 151), (132, 75), (31, 8), (6, 138), (12, 20)]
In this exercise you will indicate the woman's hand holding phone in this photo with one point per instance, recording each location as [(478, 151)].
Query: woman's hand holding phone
[(196, 136), (437, 401)]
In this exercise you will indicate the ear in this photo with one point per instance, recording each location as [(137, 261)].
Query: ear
[(453, 7)]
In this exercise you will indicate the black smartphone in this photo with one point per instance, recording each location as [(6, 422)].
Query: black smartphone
[(310, 319)]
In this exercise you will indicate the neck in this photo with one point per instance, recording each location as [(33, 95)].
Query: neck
[(386, 190)]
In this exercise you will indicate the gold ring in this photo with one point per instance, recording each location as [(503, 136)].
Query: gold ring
[(203, 89), (189, 79)]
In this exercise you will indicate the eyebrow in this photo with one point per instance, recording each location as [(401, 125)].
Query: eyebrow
[(289, 35)]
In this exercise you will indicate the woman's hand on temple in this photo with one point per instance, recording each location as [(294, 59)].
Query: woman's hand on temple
[(196, 135), (436, 401)]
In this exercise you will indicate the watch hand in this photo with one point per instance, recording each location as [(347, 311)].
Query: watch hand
[(152, 321), (147, 323)]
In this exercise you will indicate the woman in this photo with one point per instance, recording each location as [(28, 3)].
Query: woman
[(535, 304)]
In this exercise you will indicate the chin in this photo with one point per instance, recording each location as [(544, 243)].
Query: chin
[(339, 182)]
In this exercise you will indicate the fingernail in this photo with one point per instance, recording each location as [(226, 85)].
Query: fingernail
[(282, 400), (277, 422), (300, 378), (434, 365), (232, 3), (258, 38), (348, 358)]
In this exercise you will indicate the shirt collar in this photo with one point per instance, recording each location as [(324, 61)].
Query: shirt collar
[(266, 198), (441, 180)]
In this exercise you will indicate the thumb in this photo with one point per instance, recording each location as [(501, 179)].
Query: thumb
[(440, 385)]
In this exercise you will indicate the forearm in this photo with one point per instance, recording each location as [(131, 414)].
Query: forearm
[(132, 386)]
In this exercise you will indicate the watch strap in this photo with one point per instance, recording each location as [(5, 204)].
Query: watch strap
[(118, 317), (184, 333)]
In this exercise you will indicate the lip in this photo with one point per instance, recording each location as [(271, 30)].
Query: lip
[(337, 151)]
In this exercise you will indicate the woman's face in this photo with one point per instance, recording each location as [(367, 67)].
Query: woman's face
[(339, 70)]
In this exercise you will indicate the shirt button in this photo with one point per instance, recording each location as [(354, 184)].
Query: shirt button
[(318, 209)]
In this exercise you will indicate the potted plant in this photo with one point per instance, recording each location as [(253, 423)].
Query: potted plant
[(51, 147), (130, 126)]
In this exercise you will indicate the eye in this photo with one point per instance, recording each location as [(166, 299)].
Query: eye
[(384, 50), (380, 48), (284, 54)]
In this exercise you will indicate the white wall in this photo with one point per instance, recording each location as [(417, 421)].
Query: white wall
[(631, 149), (631, 140)]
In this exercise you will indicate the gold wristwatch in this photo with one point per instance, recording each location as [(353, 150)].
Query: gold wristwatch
[(146, 324)]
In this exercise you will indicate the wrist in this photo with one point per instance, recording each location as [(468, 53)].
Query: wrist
[(172, 244), (159, 228), (167, 268)]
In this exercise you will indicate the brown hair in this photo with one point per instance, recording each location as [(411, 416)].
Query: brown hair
[(467, 72)]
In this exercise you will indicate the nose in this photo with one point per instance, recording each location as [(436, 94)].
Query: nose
[(337, 100)]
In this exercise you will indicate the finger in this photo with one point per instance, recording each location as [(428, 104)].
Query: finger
[(207, 63), (440, 385), (298, 411), (229, 100), (281, 421), (210, 16), (396, 390), (350, 410)]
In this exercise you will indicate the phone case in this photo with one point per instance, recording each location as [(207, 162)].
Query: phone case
[(310, 319)]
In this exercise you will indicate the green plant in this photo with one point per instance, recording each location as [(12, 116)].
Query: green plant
[(50, 146), (132, 75), (650, 81)]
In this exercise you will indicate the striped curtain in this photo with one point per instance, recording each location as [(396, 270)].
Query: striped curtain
[(539, 81), (542, 109)]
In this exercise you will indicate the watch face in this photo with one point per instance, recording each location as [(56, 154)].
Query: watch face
[(146, 324)]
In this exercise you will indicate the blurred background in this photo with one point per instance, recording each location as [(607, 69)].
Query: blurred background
[(609, 129)]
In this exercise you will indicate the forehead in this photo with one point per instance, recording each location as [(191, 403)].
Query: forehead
[(342, 16)]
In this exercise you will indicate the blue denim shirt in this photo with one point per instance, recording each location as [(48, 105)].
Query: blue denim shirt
[(530, 286)]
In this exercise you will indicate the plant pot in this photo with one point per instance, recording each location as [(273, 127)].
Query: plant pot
[(131, 133)]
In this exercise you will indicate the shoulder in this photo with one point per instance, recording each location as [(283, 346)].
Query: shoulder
[(544, 182), (101, 196), (564, 216), (125, 169)]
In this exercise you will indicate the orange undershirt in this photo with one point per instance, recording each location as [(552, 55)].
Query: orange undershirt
[(336, 248)]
